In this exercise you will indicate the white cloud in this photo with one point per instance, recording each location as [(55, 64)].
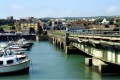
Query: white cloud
[(16, 7), (113, 10)]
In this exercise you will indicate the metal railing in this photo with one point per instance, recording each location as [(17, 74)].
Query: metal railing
[(93, 33)]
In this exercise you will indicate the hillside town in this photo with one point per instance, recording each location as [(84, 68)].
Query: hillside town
[(31, 25)]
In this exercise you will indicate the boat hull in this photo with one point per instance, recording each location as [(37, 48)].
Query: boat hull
[(18, 50), (20, 68), (26, 45)]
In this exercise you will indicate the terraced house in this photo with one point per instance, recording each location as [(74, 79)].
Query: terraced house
[(28, 26)]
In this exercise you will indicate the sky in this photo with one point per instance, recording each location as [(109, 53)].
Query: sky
[(58, 8)]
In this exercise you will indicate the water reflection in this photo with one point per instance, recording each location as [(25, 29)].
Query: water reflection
[(15, 77)]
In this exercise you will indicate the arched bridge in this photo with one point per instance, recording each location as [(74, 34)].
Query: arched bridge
[(103, 49)]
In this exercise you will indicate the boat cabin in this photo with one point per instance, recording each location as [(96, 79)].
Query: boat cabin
[(7, 57)]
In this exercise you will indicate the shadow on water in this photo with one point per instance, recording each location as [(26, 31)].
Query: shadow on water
[(15, 77)]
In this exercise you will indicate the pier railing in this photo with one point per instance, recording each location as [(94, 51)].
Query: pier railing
[(86, 33), (97, 33), (110, 35)]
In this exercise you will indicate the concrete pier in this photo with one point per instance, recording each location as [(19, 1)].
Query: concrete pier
[(88, 62), (105, 60), (97, 65)]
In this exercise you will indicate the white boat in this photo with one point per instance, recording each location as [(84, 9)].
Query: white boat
[(3, 45), (16, 47), (19, 50), (13, 64), (24, 43)]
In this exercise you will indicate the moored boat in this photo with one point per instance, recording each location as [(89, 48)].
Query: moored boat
[(16, 47), (13, 64), (3, 45), (24, 43)]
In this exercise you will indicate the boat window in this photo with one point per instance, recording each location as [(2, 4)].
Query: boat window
[(21, 53), (17, 59), (10, 62), (1, 54), (22, 58), (11, 53), (1, 62)]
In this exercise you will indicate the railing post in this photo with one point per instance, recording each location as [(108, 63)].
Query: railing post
[(92, 32), (66, 42), (67, 38)]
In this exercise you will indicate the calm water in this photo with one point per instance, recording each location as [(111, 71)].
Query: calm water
[(51, 63)]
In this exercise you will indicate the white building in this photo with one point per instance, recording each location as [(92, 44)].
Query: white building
[(92, 19), (105, 21)]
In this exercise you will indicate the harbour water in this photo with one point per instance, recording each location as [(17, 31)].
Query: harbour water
[(51, 63)]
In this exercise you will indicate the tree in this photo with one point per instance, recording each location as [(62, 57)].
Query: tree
[(111, 21), (12, 28), (118, 22), (1, 30), (50, 23)]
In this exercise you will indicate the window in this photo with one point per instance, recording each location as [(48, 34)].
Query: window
[(22, 58), (1, 62), (1, 54), (10, 62)]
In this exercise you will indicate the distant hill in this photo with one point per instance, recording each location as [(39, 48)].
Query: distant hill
[(95, 17)]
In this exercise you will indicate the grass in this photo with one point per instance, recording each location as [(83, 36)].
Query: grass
[(118, 23), (6, 27)]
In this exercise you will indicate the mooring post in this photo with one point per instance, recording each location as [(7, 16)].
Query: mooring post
[(103, 68), (88, 62), (66, 42), (53, 41), (37, 38)]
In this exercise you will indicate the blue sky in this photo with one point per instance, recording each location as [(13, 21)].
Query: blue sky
[(59, 8)]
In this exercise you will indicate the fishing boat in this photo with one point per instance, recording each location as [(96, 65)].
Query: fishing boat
[(13, 64), (16, 47), (3, 45), (24, 43)]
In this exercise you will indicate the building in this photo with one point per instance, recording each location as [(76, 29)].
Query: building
[(105, 21), (80, 23), (28, 26), (10, 18), (27, 18), (101, 28)]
